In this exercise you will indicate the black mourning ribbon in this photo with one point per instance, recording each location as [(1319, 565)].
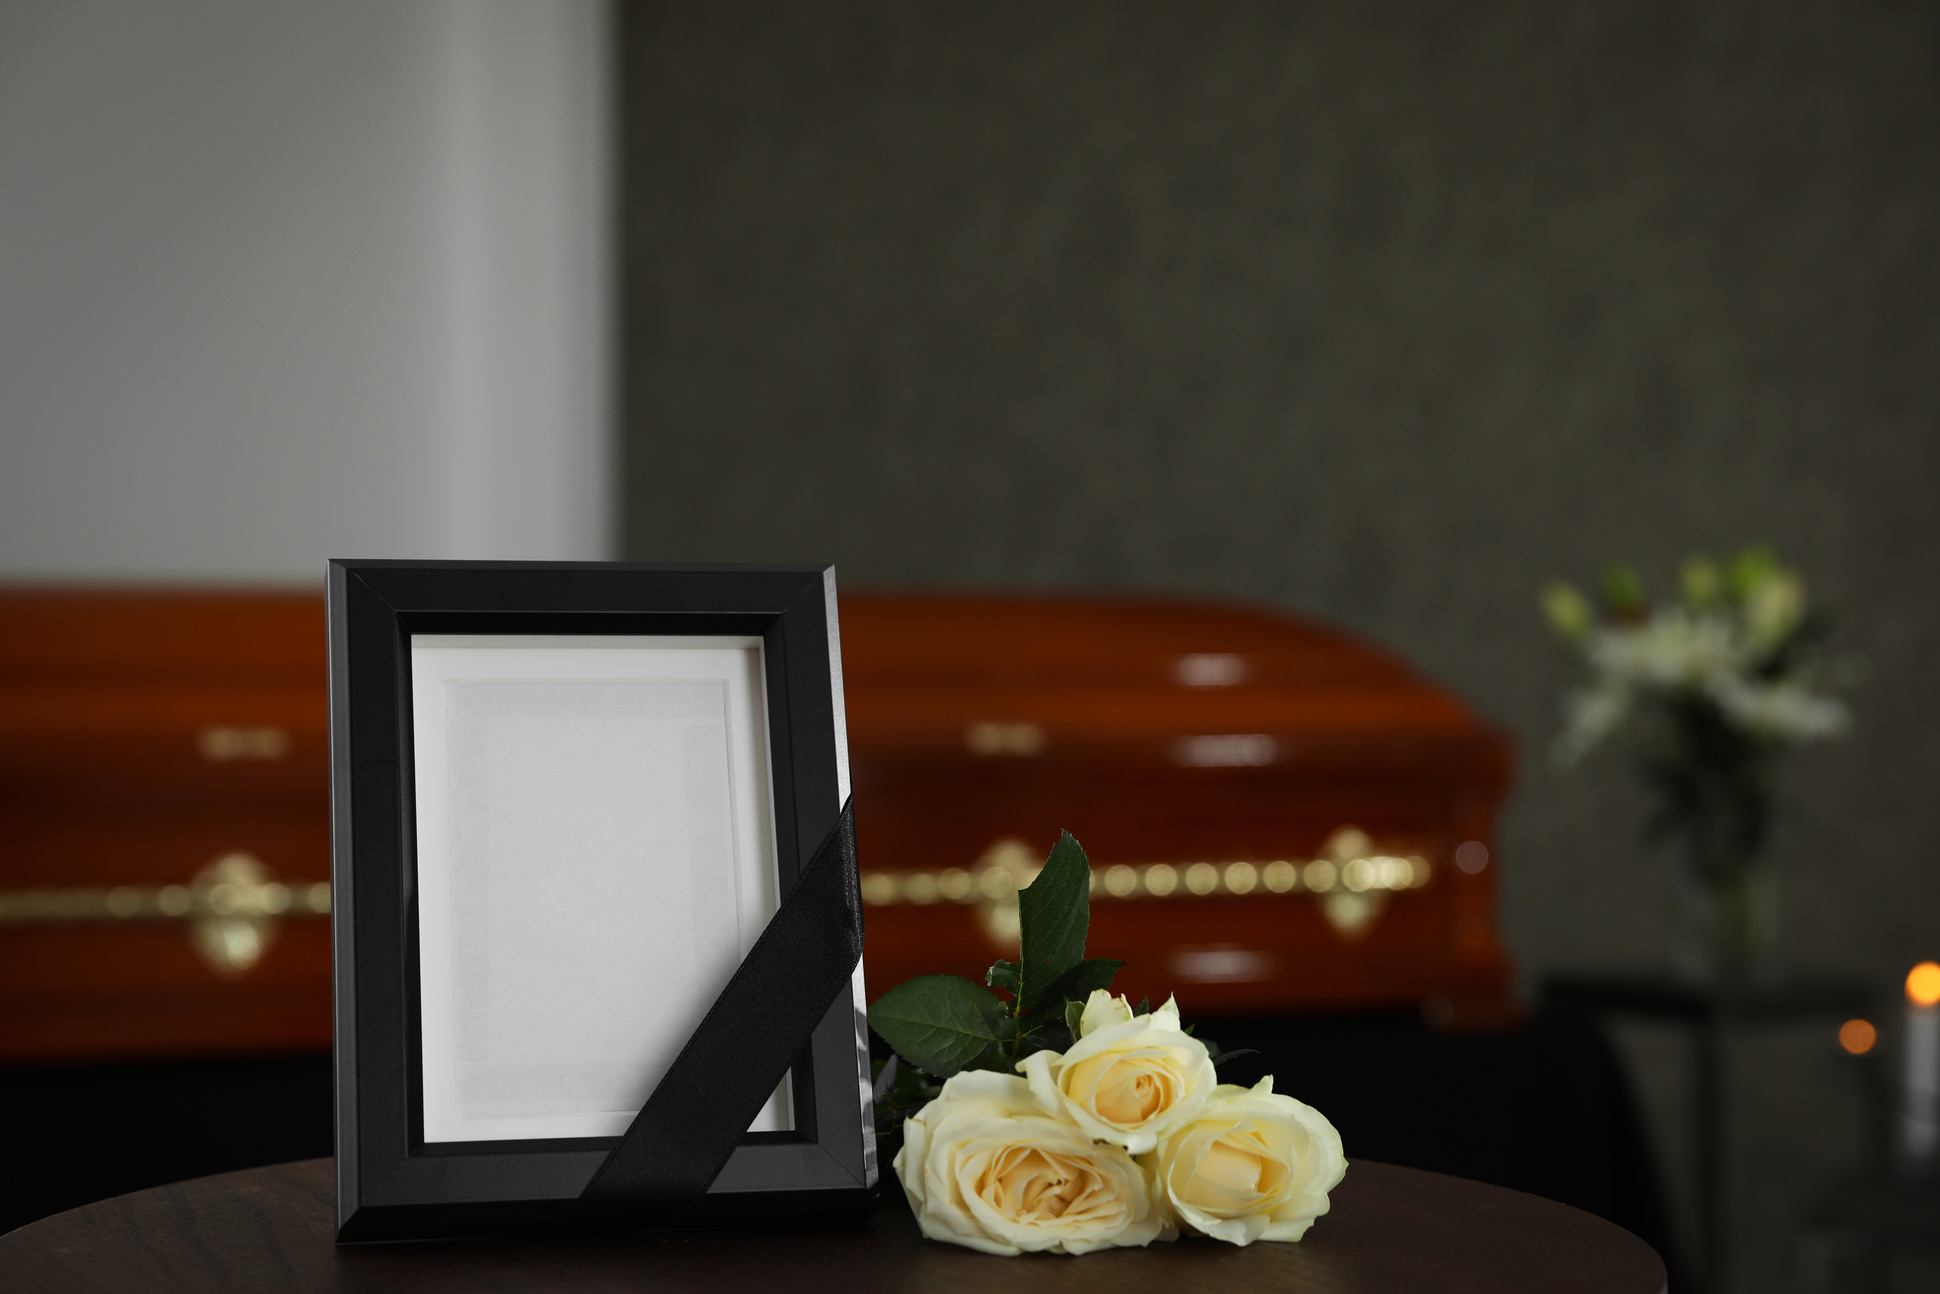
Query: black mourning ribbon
[(683, 1136)]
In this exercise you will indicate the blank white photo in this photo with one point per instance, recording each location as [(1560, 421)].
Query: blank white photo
[(596, 853)]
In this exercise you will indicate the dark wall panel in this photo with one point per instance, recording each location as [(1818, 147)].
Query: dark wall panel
[(1382, 312), (1378, 312)]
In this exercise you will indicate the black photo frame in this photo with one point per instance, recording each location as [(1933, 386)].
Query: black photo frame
[(391, 1182)]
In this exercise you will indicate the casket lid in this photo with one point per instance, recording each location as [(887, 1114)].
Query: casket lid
[(1135, 677)]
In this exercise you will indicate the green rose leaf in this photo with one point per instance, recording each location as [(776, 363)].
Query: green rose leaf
[(1054, 910), (939, 1023), (1071, 989), (1074, 1014), (1002, 975), (900, 1091), (1050, 1037)]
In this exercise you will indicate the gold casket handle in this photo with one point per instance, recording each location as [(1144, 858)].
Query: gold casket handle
[(1348, 878), (233, 908)]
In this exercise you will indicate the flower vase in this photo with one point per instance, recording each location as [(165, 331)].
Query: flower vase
[(1724, 921)]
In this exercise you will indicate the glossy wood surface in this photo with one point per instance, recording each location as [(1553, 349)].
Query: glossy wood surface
[(1391, 1231), (1348, 736), (106, 697)]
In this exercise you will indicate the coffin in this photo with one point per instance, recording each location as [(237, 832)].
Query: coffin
[(1279, 819), (164, 825)]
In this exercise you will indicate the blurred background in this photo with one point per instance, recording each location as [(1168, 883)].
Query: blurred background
[(1380, 314)]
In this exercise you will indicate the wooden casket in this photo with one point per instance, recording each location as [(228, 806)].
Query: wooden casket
[(164, 825), (1279, 819)]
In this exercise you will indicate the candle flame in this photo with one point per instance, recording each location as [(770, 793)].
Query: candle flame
[(1923, 984), (1858, 1036)]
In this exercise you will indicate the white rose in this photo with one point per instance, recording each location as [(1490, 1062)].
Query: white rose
[(1253, 1166), (1102, 1009), (984, 1168), (1129, 1081)]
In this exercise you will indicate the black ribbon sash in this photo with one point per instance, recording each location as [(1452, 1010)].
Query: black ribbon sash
[(683, 1136)]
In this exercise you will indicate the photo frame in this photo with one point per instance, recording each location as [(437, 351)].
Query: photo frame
[(593, 877)]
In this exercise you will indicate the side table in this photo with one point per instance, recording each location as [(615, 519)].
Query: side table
[(1851, 1239), (1710, 1012), (270, 1229)]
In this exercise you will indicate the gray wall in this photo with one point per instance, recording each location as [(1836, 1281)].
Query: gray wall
[(286, 282), (1380, 313)]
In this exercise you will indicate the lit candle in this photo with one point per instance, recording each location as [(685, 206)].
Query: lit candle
[(1920, 1115)]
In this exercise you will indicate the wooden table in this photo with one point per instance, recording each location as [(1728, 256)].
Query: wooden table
[(270, 1229)]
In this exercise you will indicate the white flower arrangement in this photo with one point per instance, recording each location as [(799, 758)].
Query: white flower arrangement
[(1069, 1120), (1726, 679), (1741, 640)]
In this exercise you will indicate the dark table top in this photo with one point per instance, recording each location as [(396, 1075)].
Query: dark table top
[(271, 1229), (1792, 998)]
